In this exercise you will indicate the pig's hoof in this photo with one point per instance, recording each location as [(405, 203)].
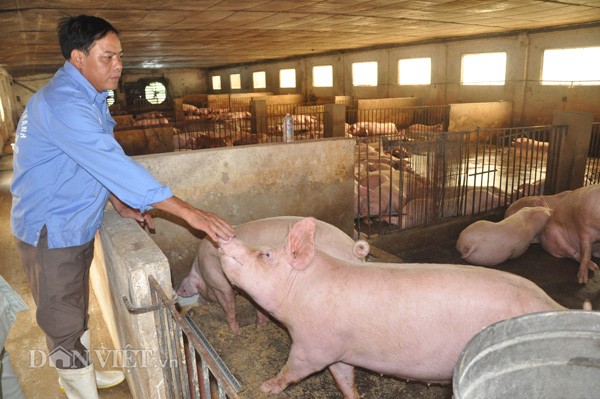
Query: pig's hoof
[(271, 386), (582, 277), (262, 324), (235, 329)]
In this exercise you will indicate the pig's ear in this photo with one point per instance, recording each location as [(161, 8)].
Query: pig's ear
[(300, 247)]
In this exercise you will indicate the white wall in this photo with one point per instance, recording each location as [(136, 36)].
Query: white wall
[(533, 103)]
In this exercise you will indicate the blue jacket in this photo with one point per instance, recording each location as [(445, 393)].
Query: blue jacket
[(66, 162)]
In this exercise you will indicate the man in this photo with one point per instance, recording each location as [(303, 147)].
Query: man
[(67, 164)]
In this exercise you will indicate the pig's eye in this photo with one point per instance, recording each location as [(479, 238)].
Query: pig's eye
[(267, 254)]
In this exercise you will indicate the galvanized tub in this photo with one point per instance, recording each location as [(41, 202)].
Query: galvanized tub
[(539, 355)]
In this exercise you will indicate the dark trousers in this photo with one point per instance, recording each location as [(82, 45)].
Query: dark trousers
[(59, 282)]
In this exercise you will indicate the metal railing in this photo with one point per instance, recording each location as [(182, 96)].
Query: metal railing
[(411, 182), (403, 117), (192, 368), (592, 167)]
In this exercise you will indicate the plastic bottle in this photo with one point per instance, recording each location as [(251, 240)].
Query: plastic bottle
[(288, 128)]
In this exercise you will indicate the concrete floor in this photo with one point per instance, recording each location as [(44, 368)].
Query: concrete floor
[(26, 342), (558, 277)]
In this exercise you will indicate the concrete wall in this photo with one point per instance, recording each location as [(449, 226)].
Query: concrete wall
[(181, 81), (572, 157), (479, 115), (533, 103), (540, 101), (24, 87), (307, 178), (124, 257), (7, 120), (149, 140)]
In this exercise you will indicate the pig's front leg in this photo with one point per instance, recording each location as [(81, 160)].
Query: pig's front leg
[(227, 302), (343, 374), (297, 367), (585, 261)]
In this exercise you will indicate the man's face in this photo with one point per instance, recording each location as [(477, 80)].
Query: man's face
[(102, 66)]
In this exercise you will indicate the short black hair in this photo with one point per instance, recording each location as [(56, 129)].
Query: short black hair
[(80, 33)]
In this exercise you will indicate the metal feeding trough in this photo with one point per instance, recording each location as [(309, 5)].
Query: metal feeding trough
[(539, 355)]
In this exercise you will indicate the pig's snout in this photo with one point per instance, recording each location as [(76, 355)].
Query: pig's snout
[(231, 249), (221, 240)]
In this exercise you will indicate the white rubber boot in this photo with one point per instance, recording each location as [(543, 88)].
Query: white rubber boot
[(79, 383), (104, 379)]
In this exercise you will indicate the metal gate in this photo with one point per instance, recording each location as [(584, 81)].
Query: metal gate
[(192, 368), (592, 168)]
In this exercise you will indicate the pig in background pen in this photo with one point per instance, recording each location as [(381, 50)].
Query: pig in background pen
[(411, 182), (565, 224), (224, 127)]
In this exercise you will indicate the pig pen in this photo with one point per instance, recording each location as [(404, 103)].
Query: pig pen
[(439, 175), (240, 184), (288, 174), (259, 353), (418, 178)]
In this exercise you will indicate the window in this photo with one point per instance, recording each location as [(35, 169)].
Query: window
[(259, 80), (287, 78), (110, 100), (414, 71), (484, 69), (216, 82), (364, 73), (235, 80), (573, 66), (156, 92), (323, 76)]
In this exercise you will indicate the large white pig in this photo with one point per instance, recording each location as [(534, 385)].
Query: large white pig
[(549, 201), (406, 320), (373, 128), (573, 229), (487, 243), (206, 276)]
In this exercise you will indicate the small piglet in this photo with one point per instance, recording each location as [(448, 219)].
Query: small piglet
[(406, 320), (206, 276), (487, 243)]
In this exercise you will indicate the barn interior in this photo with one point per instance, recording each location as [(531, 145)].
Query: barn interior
[(197, 57)]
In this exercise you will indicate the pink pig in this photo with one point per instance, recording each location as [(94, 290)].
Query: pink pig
[(487, 243), (549, 201), (406, 320), (573, 229), (206, 276)]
